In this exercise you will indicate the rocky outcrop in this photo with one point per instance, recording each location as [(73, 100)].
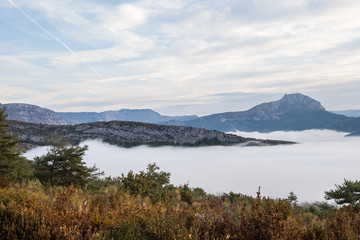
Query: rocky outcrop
[(129, 134), (289, 102), (32, 113)]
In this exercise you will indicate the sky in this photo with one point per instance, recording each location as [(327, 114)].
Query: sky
[(322, 159), (178, 56)]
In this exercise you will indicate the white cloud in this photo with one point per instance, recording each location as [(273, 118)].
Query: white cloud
[(323, 158), (191, 49), (125, 16), (132, 46), (164, 5), (280, 4)]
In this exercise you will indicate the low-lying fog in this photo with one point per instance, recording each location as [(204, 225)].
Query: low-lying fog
[(322, 159)]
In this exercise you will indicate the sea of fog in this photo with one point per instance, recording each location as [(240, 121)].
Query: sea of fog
[(321, 159)]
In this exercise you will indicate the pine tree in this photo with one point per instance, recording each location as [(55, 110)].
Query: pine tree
[(12, 164), (63, 165), (292, 199), (346, 193)]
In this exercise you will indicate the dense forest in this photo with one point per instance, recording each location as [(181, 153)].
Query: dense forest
[(56, 196)]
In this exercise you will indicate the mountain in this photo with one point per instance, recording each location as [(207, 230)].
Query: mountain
[(348, 113), (293, 112), (136, 115), (35, 114), (31, 113), (129, 134)]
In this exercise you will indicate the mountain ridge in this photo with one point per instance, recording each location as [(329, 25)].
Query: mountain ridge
[(129, 134), (348, 113), (293, 112), (32, 113), (138, 115), (35, 114)]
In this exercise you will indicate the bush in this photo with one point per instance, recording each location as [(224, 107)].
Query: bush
[(30, 211)]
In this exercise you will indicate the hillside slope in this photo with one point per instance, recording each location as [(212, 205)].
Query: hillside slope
[(129, 134), (32, 113)]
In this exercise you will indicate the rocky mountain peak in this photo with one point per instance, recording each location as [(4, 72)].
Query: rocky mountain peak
[(298, 100), (288, 102)]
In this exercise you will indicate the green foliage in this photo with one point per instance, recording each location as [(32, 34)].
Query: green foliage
[(98, 184), (152, 183), (292, 199), (317, 208), (237, 197), (64, 165), (199, 193), (346, 193), (186, 194), (325, 207), (12, 165)]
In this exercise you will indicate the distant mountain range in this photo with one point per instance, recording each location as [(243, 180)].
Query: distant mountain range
[(293, 112), (35, 114), (348, 113), (135, 115)]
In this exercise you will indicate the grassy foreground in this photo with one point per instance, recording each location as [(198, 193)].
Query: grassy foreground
[(32, 211)]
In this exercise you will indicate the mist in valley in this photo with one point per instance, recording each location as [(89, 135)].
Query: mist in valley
[(321, 159)]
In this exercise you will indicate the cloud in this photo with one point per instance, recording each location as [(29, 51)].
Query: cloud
[(54, 37), (187, 50), (124, 16), (164, 5), (132, 46), (282, 4), (323, 158)]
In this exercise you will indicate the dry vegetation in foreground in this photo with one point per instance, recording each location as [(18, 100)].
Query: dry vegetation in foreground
[(31, 211)]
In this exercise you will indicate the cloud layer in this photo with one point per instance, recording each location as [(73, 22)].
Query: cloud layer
[(159, 54), (322, 159)]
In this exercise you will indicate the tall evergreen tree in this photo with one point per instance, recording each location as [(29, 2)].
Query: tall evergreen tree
[(12, 164), (63, 165), (346, 193)]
